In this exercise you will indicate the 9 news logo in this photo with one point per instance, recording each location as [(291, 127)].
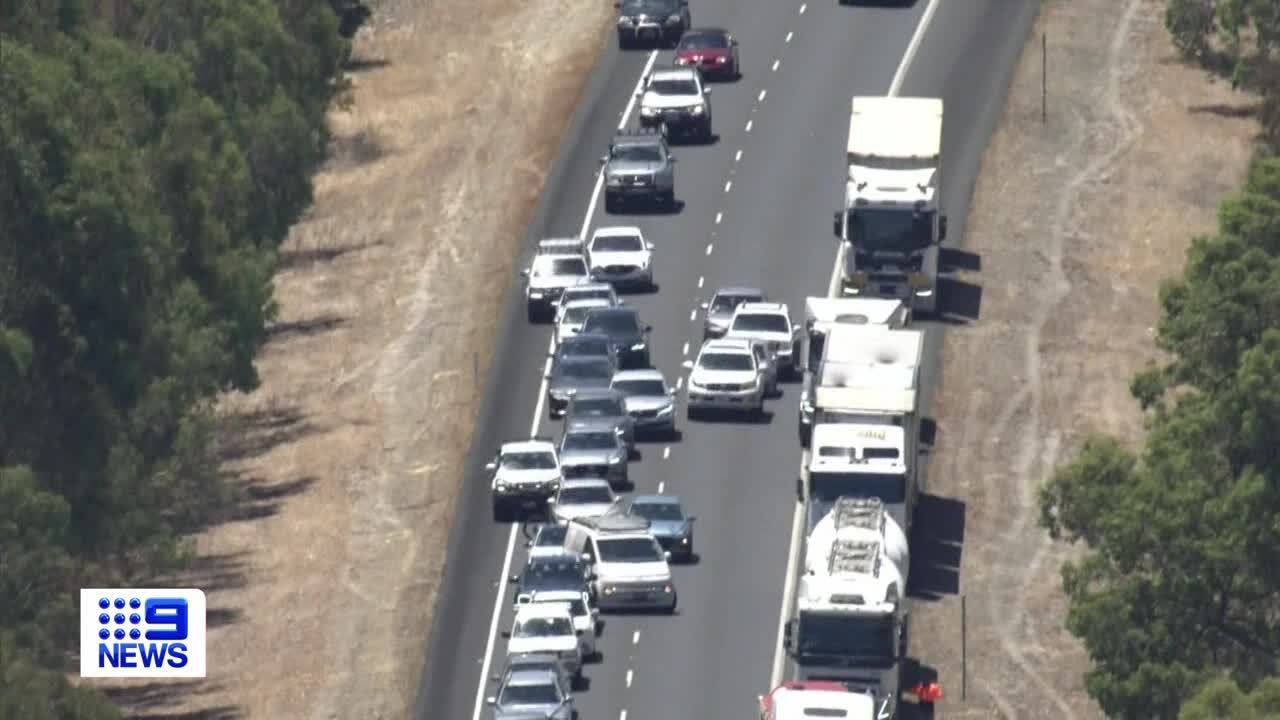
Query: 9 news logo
[(135, 633)]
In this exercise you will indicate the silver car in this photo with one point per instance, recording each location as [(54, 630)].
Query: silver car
[(577, 499), (650, 400), (558, 263), (639, 166), (608, 406), (721, 306), (594, 449), (532, 686), (591, 291)]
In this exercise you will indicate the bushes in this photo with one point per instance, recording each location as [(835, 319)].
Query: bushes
[(153, 154)]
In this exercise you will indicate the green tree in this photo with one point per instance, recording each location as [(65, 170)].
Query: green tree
[(1222, 699)]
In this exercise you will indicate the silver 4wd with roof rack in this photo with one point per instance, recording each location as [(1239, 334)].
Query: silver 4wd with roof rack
[(558, 263), (656, 22), (639, 166)]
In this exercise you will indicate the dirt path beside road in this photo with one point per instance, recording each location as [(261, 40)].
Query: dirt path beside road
[(1076, 222), (321, 591)]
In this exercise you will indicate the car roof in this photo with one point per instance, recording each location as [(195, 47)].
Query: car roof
[(639, 139), (555, 558), (655, 500), (587, 302), (774, 308), (531, 676), (584, 337), (590, 424), (616, 231), (739, 291), (594, 394), (675, 73), (550, 596), (705, 31), (585, 287), (583, 482), (529, 446), (641, 374), (727, 345), (617, 310), (527, 660), (540, 610)]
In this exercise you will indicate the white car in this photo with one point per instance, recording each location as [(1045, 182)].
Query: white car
[(547, 542), (525, 474), (678, 100), (769, 323), (546, 628), (591, 290), (576, 499), (570, 316), (621, 256), (727, 375), (586, 618)]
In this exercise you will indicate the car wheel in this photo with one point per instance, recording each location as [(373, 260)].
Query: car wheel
[(669, 199), (500, 514), (623, 42)]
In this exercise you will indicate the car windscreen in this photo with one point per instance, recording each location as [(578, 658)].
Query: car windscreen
[(552, 536), (617, 243), (612, 323), (584, 347), (541, 627), (585, 496), (529, 461), (760, 322), (577, 607), (637, 153), (529, 695), (726, 361), (571, 294), (703, 41), (597, 407), (726, 303), (640, 388), (648, 7), (629, 550), (560, 266), (657, 511), (586, 370), (577, 313), (674, 87), (590, 441), (545, 575)]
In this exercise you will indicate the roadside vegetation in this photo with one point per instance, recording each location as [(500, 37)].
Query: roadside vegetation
[(1176, 595), (153, 154)]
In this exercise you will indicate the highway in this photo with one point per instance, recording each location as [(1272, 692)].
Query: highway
[(756, 210)]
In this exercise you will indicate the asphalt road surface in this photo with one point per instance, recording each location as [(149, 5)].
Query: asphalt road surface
[(755, 209)]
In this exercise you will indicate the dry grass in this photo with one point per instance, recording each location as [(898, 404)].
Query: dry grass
[(1077, 221)]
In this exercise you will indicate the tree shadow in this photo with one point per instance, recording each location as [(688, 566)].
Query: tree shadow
[(292, 259), (219, 617), (220, 712), (358, 65), (936, 546), (304, 328), (216, 571), (150, 701), (1225, 110), (250, 434), (258, 500)]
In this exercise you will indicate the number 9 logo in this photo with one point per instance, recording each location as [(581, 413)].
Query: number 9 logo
[(171, 612)]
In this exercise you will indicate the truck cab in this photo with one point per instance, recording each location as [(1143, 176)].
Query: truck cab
[(891, 223), (854, 460), (803, 700)]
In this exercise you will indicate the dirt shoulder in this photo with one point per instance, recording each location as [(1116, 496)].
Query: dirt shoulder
[(1076, 222), (321, 592)]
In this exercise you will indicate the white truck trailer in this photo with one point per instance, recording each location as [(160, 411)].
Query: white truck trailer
[(850, 621), (824, 314), (891, 223)]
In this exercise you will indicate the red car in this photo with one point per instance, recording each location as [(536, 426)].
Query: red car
[(711, 50)]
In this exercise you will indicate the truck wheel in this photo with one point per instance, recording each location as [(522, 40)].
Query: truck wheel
[(669, 199), (501, 513), (531, 311)]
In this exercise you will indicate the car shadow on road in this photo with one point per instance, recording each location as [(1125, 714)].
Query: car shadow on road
[(961, 301), (650, 289), (936, 545), (655, 209), (729, 417)]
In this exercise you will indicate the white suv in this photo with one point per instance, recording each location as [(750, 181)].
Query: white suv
[(547, 628), (677, 100), (769, 323), (727, 375), (621, 256)]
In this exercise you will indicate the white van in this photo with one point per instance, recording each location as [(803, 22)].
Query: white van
[(629, 567)]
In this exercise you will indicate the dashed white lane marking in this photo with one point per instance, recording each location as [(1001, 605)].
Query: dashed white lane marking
[(803, 8), (635, 638), (789, 34), (709, 246), (720, 216), (701, 280), (630, 676), (749, 125), (693, 315), (661, 486), (760, 97), (737, 156), (679, 383), (728, 185), (666, 453), (685, 349), (622, 715), (776, 63)]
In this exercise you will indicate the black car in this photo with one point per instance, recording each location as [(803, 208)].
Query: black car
[(628, 334), (573, 374), (548, 573), (652, 22)]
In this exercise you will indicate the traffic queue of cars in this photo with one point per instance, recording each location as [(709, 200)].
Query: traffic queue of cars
[(593, 548)]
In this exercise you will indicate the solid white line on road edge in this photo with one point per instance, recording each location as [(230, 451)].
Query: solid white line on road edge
[(666, 453), (728, 185), (737, 157), (720, 216), (622, 125), (797, 520), (635, 638), (760, 97), (685, 351), (709, 246), (749, 124), (802, 9), (630, 676), (537, 420), (661, 486), (776, 63), (679, 382), (789, 34), (913, 47)]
